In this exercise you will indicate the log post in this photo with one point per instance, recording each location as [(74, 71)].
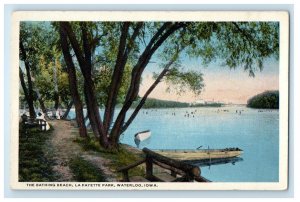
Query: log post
[(187, 168), (149, 167), (173, 173), (125, 176)]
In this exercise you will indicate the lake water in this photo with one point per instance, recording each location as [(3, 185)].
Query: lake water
[(256, 133)]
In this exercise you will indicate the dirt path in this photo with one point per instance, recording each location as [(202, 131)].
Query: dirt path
[(64, 149)]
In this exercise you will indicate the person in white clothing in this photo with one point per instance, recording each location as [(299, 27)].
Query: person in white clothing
[(57, 114), (41, 116)]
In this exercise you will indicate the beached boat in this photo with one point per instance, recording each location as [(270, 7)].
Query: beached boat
[(141, 136), (201, 154)]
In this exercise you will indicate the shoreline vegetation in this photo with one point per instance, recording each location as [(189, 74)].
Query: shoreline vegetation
[(157, 103), (265, 100)]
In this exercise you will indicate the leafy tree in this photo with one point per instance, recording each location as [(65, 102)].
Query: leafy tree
[(46, 79), (118, 44), (265, 100), (24, 53)]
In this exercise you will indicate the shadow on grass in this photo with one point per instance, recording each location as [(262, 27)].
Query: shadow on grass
[(118, 159), (84, 171), (34, 164)]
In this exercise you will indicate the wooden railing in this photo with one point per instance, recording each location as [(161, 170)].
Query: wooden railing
[(179, 171)]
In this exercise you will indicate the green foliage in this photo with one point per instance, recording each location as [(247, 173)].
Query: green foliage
[(156, 103), (43, 55), (84, 171), (236, 44), (34, 164), (265, 100), (102, 82), (45, 81), (184, 81), (89, 144), (125, 158), (247, 44)]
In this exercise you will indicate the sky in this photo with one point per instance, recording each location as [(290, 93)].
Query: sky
[(221, 83)]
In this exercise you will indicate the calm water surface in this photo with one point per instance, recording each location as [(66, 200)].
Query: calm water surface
[(256, 133)]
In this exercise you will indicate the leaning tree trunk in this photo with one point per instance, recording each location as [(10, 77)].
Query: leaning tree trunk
[(68, 109), (93, 111), (84, 60), (23, 84), (30, 97), (73, 84), (42, 104)]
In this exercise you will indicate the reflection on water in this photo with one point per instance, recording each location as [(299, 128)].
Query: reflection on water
[(210, 162)]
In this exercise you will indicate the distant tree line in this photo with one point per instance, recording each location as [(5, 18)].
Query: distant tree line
[(157, 103), (265, 100)]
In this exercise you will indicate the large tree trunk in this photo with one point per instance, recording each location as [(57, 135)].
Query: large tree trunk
[(30, 97), (89, 89), (115, 83), (73, 84), (93, 112), (23, 84), (68, 109), (44, 110), (84, 60), (42, 104)]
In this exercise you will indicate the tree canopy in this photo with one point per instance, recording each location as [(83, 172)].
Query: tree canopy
[(103, 62)]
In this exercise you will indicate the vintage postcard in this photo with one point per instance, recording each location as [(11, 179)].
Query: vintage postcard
[(149, 100)]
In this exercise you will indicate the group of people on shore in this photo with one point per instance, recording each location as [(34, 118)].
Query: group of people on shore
[(41, 116)]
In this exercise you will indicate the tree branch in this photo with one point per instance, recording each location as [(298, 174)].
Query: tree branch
[(86, 47), (143, 100), (72, 81), (116, 77), (75, 45), (23, 84), (151, 88), (137, 73), (144, 60), (30, 85), (248, 37), (119, 71)]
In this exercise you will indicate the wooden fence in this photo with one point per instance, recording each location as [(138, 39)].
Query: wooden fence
[(176, 171)]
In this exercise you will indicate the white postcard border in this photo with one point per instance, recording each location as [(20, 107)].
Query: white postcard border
[(281, 16)]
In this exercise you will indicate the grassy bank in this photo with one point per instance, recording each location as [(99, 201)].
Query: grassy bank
[(84, 171), (118, 159), (34, 164)]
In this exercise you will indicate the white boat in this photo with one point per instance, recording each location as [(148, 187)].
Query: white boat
[(141, 136)]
